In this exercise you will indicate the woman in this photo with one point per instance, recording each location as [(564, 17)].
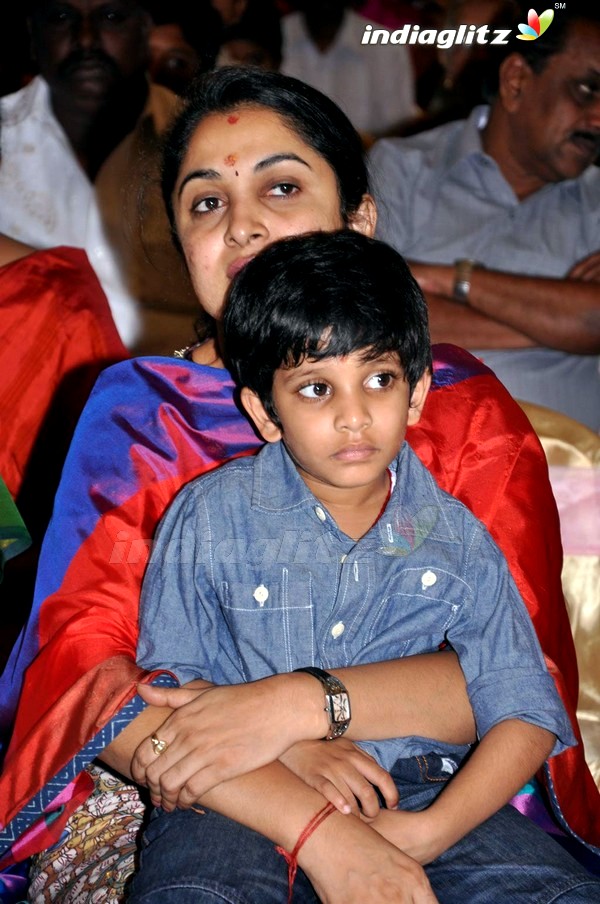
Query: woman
[(255, 157)]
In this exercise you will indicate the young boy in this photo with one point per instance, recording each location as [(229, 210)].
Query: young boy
[(334, 546)]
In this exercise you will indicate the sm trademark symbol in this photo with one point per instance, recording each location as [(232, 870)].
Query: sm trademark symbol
[(560, 6)]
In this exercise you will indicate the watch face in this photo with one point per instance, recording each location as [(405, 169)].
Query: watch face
[(340, 705)]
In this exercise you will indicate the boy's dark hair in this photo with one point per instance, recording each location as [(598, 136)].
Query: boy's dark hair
[(323, 295)]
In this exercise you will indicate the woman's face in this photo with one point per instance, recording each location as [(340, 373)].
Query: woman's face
[(246, 180)]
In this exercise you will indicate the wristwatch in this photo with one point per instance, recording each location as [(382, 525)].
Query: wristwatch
[(337, 702), (463, 268)]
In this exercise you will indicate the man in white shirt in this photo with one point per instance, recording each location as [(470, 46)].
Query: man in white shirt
[(374, 85), (80, 148)]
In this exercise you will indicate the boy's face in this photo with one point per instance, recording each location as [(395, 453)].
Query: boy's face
[(343, 420)]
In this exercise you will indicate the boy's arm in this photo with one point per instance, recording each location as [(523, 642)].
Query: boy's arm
[(508, 755), (346, 861)]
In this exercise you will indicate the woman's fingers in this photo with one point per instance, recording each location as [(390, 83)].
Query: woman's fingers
[(213, 734), (173, 697)]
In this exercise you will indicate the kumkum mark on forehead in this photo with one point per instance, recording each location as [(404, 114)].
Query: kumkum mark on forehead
[(233, 118), (230, 160)]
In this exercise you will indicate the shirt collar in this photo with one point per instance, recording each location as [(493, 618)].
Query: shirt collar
[(468, 139), (417, 508), (468, 145), (277, 486)]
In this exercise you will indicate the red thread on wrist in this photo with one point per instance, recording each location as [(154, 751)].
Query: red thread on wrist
[(292, 858)]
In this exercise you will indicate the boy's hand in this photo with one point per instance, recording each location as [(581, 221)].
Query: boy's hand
[(344, 774), (348, 863), (411, 832)]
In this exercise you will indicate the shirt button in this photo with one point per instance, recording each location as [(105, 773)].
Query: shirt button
[(338, 629), (320, 513), (428, 579), (261, 595)]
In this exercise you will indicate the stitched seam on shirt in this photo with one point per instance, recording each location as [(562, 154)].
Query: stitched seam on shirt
[(367, 566), (285, 617), (210, 541)]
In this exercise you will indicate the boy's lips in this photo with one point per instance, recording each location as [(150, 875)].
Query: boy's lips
[(238, 264), (355, 452)]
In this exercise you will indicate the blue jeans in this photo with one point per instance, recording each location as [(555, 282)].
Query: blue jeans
[(190, 858)]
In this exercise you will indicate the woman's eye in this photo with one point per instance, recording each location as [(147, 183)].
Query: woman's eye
[(206, 205), (314, 391), (380, 381), (283, 189)]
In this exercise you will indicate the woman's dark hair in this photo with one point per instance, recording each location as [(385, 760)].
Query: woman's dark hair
[(315, 119), (323, 295)]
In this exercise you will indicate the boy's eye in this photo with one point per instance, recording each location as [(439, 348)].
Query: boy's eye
[(314, 391), (206, 205), (380, 381)]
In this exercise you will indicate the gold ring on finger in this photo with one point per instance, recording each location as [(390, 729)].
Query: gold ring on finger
[(159, 746)]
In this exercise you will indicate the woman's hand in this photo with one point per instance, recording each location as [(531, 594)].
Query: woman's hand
[(348, 863), (344, 774), (218, 733)]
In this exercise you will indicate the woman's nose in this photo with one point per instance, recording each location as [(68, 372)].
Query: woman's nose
[(245, 225)]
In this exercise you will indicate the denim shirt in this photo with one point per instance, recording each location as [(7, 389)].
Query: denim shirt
[(251, 576)]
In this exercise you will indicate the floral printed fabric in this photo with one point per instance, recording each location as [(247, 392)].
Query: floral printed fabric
[(95, 857)]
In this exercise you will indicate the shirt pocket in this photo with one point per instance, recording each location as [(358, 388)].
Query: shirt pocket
[(418, 607), (271, 623)]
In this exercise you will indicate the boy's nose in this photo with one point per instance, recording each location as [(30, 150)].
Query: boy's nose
[(353, 415)]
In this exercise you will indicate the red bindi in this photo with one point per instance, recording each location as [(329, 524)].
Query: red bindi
[(232, 119)]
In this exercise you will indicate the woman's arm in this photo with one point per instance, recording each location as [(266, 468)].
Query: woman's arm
[(218, 733)]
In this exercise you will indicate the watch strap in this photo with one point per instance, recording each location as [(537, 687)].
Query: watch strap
[(337, 701), (463, 270)]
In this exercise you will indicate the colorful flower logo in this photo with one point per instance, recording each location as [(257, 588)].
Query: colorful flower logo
[(536, 25)]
